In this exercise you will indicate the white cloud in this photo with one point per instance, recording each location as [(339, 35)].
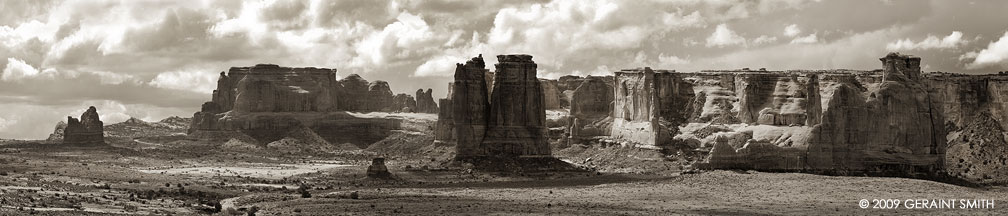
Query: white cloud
[(191, 80), (408, 36), (18, 70), (996, 53), (763, 39), (671, 60), (723, 36), (4, 123), (792, 30), (812, 38), (953, 40)]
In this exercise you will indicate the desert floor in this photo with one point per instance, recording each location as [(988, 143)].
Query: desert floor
[(178, 176)]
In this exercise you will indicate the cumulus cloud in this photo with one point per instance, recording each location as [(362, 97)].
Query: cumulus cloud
[(792, 30), (812, 38), (996, 53), (723, 36), (190, 80), (4, 123), (953, 40), (409, 35), (763, 39), (17, 70)]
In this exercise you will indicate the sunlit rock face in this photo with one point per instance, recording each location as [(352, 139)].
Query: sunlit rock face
[(508, 123), (88, 130), (648, 106), (888, 121)]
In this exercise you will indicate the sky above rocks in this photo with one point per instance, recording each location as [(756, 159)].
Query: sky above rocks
[(155, 59)]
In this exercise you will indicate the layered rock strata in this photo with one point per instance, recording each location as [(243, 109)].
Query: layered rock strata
[(511, 122), (649, 105), (88, 130), (267, 102)]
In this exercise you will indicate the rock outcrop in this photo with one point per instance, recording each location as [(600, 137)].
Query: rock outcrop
[(875, 122), (471, 107), (511, 123), (88, 130), (552, 96), (377, 169), (977, 153), (379, 96), (425, 101), (517, 124), (648, 106), (444, 133), (269, 102), (403, 103), (57, 134), (590, 107)]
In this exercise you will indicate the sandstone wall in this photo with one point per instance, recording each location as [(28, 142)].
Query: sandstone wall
[(268, 102), (508, 123), (471, 107), (517, 123), (648, 106), (590, 107)]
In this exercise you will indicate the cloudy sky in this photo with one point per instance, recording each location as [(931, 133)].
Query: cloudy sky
[(154, 59)]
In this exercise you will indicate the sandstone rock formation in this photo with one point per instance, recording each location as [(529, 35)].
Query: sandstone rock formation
[(444, 133), (470, 107), (403, 103), (57, 134), (881, 122), (85, 131), (425, 101), (649, 106), (379, 96), (378, 170), (590, 107), (268, 102), (517, 123), (512, 122), (553, 97)]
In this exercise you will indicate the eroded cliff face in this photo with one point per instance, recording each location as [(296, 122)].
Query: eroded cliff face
[(591, 105), (888, 121), (648, 106), (510, 123), (266, 103), (975, 118)]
